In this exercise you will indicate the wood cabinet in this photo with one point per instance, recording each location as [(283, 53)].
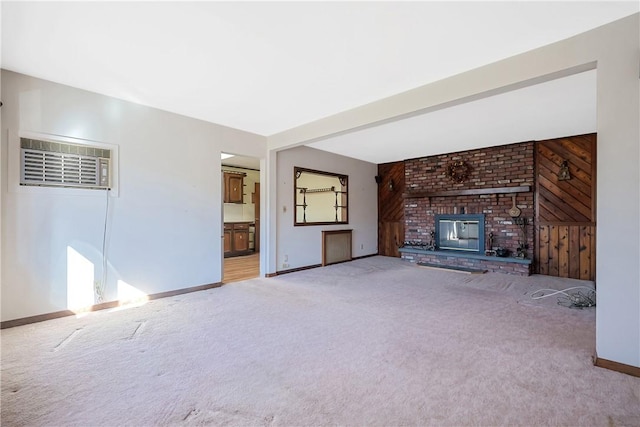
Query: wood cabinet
[(228, 231), (233, 187), (241, 237), (236, 238)]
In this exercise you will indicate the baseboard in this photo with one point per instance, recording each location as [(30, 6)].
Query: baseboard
[(293, 270), (185, 290), (617, 366), (308, 267), (363, 256), (102, 306)]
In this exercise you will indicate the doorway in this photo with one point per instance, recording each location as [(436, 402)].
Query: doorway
[(241, 217)]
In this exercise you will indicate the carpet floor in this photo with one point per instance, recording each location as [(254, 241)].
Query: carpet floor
[(376, 341)]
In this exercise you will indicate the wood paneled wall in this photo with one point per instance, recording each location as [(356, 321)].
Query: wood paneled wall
[(390, 208), (567, 251), (565, 209), (565, 222)]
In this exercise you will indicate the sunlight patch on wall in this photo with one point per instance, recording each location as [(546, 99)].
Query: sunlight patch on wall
[(129, 295), (80, 281)]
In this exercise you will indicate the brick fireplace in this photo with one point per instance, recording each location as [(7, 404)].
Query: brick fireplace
[(496, 180)]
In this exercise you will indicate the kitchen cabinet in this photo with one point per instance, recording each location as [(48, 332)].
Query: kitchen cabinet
[(237, 238), (228, 231), (233, 187), (241, 237)]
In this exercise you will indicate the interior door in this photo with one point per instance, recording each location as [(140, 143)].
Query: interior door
[(565, 207)]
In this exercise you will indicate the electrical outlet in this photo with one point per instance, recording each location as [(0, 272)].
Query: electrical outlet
[(286, 258), (99, 292), (285, 265), (361, 245)]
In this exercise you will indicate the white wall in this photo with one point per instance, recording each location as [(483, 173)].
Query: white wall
[(302, 245), (613, 49), (164, 227)]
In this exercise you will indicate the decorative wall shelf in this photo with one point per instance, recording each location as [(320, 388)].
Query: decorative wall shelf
[(316, 187), (467, 192)]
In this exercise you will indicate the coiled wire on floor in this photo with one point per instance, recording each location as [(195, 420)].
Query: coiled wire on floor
[(576, 299)]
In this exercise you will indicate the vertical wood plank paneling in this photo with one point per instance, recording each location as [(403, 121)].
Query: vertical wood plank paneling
[(553, 251), (543, 245), (592, 254), (392, 236), (385, 237), (585, 253), (574, 252), (563, 251), (396, 237)]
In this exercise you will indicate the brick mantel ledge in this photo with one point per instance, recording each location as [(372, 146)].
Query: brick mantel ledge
[(468, 192)]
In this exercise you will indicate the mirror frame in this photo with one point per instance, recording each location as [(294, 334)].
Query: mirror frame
[(344, 181)]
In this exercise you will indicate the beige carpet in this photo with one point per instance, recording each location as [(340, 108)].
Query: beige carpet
[(372, 342)]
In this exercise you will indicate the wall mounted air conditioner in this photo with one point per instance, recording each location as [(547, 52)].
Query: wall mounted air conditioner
[(60, 164)]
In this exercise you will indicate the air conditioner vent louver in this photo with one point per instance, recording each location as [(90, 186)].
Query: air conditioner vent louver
[(60, 164)]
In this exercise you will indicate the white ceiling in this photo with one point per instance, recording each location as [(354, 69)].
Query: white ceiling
[(557, 108), (242, 162), (266, 67)]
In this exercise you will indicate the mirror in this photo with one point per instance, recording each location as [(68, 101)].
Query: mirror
[(320, 197)]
